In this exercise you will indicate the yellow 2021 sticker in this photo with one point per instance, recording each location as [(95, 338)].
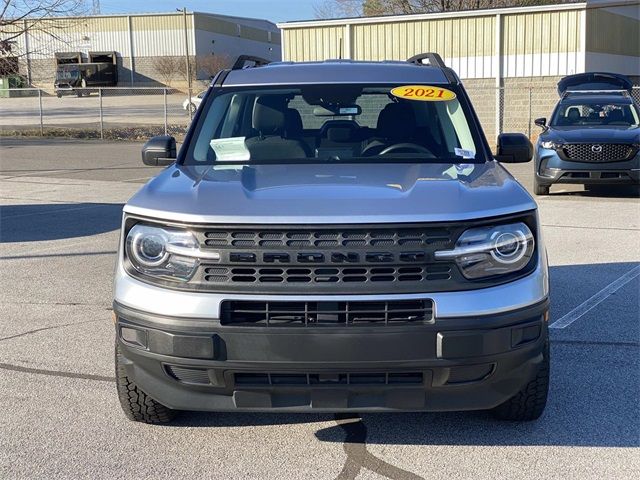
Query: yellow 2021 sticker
[(424, 93)]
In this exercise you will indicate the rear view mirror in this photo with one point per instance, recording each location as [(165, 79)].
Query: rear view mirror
[(541, 122), (514, 148), (159, 151)]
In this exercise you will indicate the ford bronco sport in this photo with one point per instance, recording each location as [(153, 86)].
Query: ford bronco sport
[(333, 236)]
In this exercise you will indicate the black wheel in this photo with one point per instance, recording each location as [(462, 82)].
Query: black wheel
[(136, 404), (59, 95), (528, 404), (540, 189), (192, 108)]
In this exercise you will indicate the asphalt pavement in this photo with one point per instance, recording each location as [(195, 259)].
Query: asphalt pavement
[(60, 214), (119, 108)]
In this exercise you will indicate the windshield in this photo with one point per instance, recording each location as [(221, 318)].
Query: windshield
[(67, 74), (334, 123), (595, 114)]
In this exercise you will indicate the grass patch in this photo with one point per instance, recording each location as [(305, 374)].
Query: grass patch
[(131, 134)]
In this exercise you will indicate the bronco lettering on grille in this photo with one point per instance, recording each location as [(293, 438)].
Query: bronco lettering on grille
[(331, 257)]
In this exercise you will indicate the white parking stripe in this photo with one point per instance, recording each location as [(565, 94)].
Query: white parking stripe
[(596, 299)]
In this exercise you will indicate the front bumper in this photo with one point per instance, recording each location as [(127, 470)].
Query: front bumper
[(551, 169), (464, 363)]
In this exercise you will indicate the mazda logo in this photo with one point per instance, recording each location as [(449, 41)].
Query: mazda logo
[(596, 148)]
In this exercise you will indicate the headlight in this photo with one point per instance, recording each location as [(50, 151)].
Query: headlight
[(550, 145), (163, 252), (487, 251)]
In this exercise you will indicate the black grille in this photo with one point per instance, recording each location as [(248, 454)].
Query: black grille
[(333, 259), (312, 314), (327, 274), (193, 376), (596, 152), (328, 259), (326, 238), (307, 379)]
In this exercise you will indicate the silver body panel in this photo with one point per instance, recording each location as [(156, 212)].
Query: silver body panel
[(329, 194)]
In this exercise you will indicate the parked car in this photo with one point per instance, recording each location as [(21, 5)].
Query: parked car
[(593, 136), (193, 103), (333, 236)]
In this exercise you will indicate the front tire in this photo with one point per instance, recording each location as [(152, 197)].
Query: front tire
[(529, 403), (135, 403)]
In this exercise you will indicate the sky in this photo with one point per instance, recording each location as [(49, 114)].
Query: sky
[(274, 10)]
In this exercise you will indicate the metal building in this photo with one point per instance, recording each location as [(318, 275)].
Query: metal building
[(539, 41), (139, 39)]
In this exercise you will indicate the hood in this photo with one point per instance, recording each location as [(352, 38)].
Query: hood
[(584, 134), (330, 193)]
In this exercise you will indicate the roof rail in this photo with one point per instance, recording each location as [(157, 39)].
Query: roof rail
[(435, 60), (241, 61)]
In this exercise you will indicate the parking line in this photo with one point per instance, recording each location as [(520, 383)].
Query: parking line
[(596, 299)]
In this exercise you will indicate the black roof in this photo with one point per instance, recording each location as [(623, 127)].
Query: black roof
[(337, 71)]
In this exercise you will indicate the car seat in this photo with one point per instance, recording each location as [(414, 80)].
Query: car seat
[(275, 129), (396, 124)]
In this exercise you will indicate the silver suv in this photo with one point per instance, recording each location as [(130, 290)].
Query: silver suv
[(333, 236)]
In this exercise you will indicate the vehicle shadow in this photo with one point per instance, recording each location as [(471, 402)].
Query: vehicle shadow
[(593, 400), (55, 221), (599, 191)]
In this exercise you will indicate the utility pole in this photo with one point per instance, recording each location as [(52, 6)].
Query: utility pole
[(186, 56)]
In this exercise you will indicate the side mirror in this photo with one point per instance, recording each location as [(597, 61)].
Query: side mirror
[(159, 151), (541, 122), (514, 148)]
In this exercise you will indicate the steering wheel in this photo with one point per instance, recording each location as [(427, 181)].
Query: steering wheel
[(411, 147)]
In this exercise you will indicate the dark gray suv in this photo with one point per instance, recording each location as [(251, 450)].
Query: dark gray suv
[(593, 135), (333, 236)]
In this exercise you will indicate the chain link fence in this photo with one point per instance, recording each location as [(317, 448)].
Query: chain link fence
[(104, 113), (515, 108), (140, 113)]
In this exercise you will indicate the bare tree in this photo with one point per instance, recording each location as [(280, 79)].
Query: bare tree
[(338, 8), (18, 17), (208, 65), (356, 8), (168, 68)]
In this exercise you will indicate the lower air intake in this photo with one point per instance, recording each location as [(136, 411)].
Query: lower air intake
[(191, 376), (312, 314)]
